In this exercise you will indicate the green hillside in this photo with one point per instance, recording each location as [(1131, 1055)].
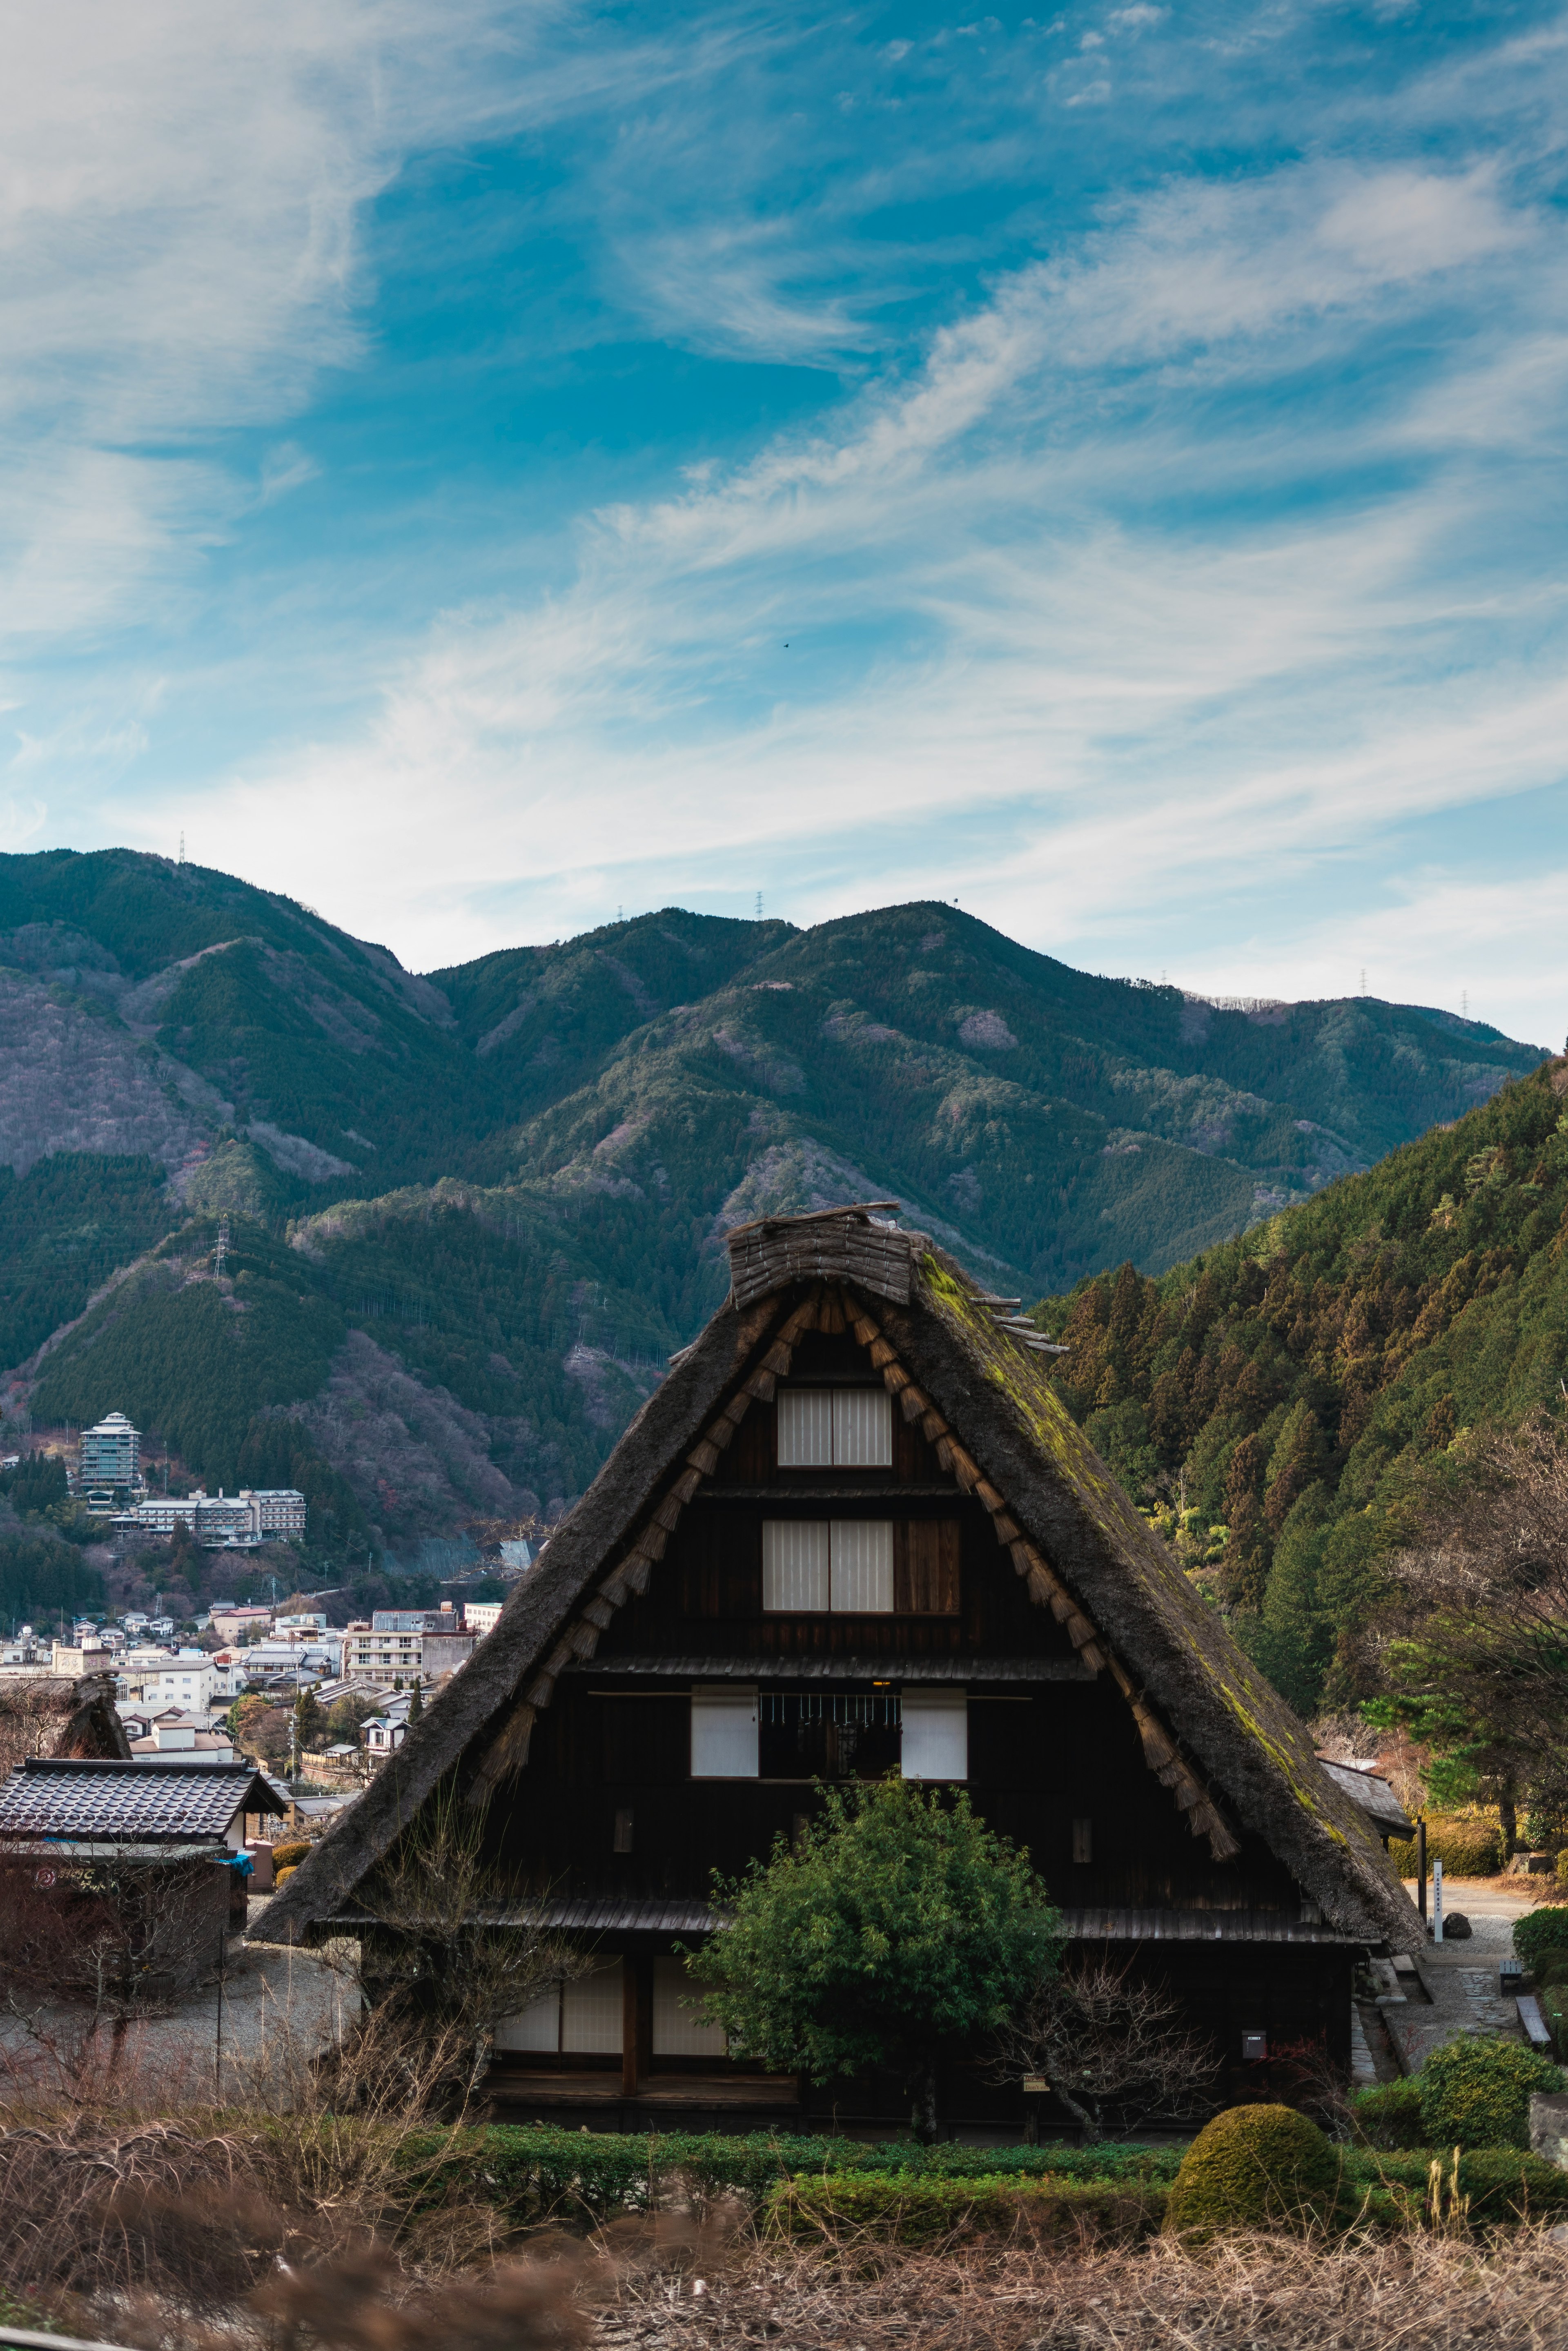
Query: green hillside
[(473, 1212), (1274, 1401), (428, 1358)]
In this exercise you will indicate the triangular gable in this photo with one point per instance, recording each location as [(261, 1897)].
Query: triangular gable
[(1216, 1734)]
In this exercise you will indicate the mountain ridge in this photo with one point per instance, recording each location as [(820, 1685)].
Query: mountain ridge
[(473, 1210)]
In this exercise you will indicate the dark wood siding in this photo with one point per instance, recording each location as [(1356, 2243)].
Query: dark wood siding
[(925, 1559)]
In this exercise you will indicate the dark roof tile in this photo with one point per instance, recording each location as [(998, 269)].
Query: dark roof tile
[(144, 1801)]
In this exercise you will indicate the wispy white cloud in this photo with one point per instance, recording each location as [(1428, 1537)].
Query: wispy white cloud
[(1134, 705), (1212, 543)]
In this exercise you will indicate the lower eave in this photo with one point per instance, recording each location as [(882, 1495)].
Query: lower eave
[(904, 1670), (135, 1848), (611, 1914)]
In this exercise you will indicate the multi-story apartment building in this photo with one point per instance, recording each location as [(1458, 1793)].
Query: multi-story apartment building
[(109, 1453), (189, 1680), (221, 1521), (425, 1641)]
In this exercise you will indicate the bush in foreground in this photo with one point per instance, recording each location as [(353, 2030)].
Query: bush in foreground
[(552, 2172), (1389, 2116), (1539, 1932), (1256, 2168), (1477, 2094), (1498, 2188), (915, 2209)]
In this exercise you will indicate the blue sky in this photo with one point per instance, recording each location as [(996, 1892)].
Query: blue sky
[(480, 467)]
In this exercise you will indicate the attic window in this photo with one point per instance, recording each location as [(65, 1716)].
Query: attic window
[(835, 1428), (816, 1564)]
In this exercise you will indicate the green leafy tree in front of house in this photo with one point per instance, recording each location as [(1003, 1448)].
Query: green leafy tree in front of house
[(898, 1926)]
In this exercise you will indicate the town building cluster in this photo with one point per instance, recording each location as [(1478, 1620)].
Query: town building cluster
[(108, 1476)]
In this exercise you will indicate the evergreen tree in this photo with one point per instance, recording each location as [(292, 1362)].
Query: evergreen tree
[(897, 1925)]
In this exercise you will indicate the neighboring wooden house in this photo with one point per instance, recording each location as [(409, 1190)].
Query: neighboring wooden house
[(854, 1532), (120, 1822)]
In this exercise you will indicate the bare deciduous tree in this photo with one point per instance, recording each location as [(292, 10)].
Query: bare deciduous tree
[(1477, 1650), (454, 1948), (1112, 2048), (89, 1948)]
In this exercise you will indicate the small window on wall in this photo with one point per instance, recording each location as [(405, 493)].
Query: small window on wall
[(835, 1428), (817, 1563), (724, 1732), (936, 1734), (582, 2018)]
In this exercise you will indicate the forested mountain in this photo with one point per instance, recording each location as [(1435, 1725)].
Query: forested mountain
[(1276, 1401), (472, 1212)]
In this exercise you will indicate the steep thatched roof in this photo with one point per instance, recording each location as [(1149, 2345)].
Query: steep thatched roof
[(1217, 1735), (57, 1714)]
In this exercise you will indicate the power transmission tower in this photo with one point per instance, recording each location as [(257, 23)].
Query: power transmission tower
[(181, 848), (221, 1249), (760, 905)]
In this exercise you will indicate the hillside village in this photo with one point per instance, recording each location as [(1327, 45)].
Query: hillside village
[(1096, 1597)]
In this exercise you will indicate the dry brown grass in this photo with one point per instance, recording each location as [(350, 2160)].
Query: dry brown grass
[(158, 2239), (1416, 2294)]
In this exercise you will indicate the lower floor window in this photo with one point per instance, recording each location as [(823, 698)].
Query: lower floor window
[(681, 2027), (581, 2017), (585, 2017)]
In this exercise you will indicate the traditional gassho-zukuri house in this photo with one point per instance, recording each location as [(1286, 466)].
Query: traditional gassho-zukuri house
[(855, 1532)]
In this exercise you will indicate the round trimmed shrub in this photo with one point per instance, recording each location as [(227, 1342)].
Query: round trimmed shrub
[(1538, 1932), (1255, 2168), (1477, 2093), (280, 1875), (290, 1855), (1465, 1848)]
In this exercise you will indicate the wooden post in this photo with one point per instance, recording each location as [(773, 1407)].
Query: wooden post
[(1421, 1868), (636, 2022)]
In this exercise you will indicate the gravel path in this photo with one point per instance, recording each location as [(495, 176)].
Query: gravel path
[(271, 2004)]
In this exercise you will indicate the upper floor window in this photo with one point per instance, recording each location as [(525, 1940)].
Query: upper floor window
[(819, 1563), (870, 1567), (835, 1428)]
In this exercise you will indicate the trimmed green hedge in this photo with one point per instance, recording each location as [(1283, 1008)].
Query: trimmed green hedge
[(1476, 2092), (1111, 2193), (1539, 1931), (920, 2208), (1501, 2186), (1465, 1848), (1389, 2116), (549, 2170)]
